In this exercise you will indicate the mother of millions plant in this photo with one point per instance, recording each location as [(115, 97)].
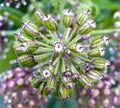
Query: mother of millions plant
[(60, 55)]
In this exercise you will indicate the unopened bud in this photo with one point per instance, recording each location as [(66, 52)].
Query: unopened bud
[(67, 17), (27, 60), (50, 23), (87, 27)]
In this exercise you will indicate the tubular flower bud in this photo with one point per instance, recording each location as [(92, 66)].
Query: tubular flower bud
[(68, 16), (26, 59), (16, 89), (103, 41), (39, 16), (82, 17), (50, 23), (26, 47), (23, 37), (29, 28), (87, 26), (96, 52), (62, 58)]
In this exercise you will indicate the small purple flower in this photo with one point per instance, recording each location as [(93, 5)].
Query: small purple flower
[(102, 95), (17, 90)]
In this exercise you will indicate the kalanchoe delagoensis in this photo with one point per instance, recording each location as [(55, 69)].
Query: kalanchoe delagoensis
[(62, 57), (17, 91), (102, 95), (17, 3)]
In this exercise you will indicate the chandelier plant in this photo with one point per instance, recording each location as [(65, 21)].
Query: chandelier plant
[(61, 54)]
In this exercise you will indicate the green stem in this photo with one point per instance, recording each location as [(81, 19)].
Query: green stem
[(63, 65), (105, 31), (72, 33), (68, 30), (57, 63), (77, 38), (81, 57), (42, 57)]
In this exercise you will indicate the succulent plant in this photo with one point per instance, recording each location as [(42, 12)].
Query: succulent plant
[(62, 56), (17, 90)]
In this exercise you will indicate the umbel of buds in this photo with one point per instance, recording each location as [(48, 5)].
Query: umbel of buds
[(63, 58), (17, 3), (17, 91), (101, 96)]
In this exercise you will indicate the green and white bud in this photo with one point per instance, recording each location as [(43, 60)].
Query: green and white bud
[(78, 47), (23, 37), (82, 17), (36, 82), (51, 85), (68, 82), (42, 90), (103, 41), (100, 63), (26, 47), (29, 29), (49, 22), (39, 16), (27, 60), (63, 93), (68, 16), (96, 52), (87, 27)]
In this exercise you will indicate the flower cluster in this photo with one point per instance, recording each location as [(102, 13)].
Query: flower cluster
[(115, 62), (61, 53), (17, 3), (17, 90), (101, 96)]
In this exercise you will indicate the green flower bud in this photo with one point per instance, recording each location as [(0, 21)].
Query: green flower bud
[(50, 23), (23, 37), (87, 27), (39, 16), (68, 83), (103, 41), (45, 72), (26, 47), (51, 85), (36, 82), (100, 63), (27, 60), (29, 28), (78, 47), (85, 80), (82, 17), (100, 51), (68, 16), (94, 74), (63, 93), (42, 90)]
